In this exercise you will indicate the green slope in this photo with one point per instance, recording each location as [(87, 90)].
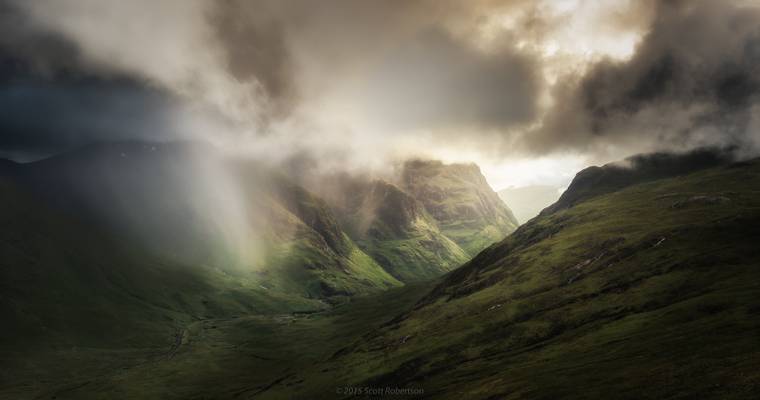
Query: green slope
[(68, 288), (192, 205), (395, 230), (651, 291), (306, 250)]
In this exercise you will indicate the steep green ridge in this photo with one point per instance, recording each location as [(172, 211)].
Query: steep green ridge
[(189, 204), (458, 197), (394, 229), (595, 181), (651, 291), (309, 246)]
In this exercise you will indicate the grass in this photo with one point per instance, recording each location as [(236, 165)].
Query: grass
[(420, 253), (628, 293), (649, 292), (218, 358)]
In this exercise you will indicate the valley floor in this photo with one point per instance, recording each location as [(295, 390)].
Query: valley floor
[(251, 356)]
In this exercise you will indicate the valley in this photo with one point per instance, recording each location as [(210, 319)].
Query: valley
[(379, 200), (646, 286)]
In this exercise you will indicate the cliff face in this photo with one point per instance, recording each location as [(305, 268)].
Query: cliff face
[(394, 229), (459, 198), (431, 219)]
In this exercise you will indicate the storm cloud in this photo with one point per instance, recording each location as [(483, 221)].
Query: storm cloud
[(693, 81), (362, 79)]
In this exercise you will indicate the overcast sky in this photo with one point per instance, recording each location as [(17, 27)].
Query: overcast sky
[(530, 90)]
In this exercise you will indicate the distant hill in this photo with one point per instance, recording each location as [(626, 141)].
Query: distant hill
[(527, 202)]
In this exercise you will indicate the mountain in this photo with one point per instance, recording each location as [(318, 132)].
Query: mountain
[(526, 202), (460, 200), (393, 227), (188, 203), (595, 181), (647, 291), (430, 219)]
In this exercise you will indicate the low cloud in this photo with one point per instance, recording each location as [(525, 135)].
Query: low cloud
[(358, 80), (693, 81)]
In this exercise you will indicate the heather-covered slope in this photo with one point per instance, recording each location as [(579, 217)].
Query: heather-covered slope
[(460, 200), (650, 291)]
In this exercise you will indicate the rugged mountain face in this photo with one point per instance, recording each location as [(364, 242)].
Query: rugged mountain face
[(394, 229), (458, 197), (647, 291), (188, 203), (528, 201)]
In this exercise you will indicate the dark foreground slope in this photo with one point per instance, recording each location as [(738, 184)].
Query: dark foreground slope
[(651, 291)]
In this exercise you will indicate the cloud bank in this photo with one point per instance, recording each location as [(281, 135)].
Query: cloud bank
[(360, 81)]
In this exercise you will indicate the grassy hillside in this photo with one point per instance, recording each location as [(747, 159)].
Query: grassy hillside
[(395, 230), (191, 205), (458, 197), (245, 356), (68, 288), (306, 250), (647, 292)]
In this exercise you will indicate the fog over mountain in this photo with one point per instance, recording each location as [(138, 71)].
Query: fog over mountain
[(297, 199)]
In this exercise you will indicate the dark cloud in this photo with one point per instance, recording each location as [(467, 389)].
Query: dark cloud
[(693, 81), (284, 71), (52, 100), (255, 45), (413, 63), (25, 49), (39, 118), (435, 81)]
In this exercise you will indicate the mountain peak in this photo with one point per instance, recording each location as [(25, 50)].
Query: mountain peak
[(460, 199), (595, 181)]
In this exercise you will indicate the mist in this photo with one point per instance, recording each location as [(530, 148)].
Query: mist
[(530, 90)]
